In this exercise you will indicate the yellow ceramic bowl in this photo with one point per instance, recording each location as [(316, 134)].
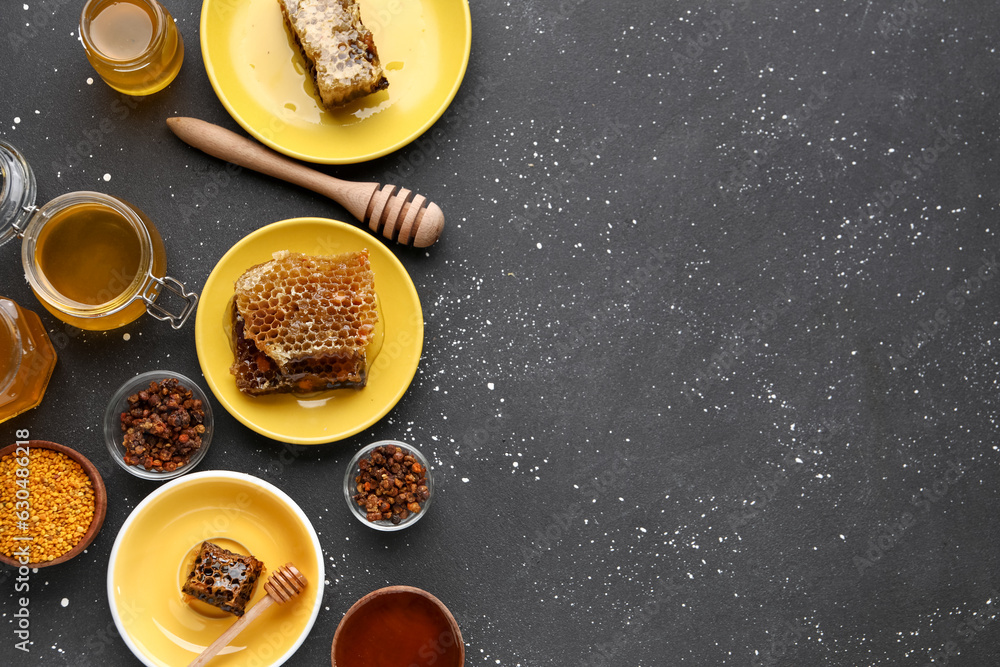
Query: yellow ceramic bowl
[(331, 415), (262, 81), (152, 555)]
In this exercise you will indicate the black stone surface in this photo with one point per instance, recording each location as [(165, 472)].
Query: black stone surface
[(711, 356)]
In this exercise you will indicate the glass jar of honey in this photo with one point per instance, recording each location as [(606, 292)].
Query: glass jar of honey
[(134, 45), (94, 261), (26, 359)]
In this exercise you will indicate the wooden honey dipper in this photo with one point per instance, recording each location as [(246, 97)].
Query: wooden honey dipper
[(386, 209), (283, 585)]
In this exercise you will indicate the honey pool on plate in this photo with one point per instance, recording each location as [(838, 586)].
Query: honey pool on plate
[(155, 549), (400, 32), (260, 77), (297, 419)]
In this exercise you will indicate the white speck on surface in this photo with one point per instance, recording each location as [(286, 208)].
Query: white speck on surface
[(489, 385), (17, 119), (126, 337), (465, 479), (538, 245), (64, 602), (107, 177), (90, 81)]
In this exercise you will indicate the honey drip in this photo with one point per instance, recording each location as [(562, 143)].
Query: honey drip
[(222, 578)]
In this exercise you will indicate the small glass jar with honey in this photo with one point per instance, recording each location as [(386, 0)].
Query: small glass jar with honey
[(133, 45), (26, 359), (93, 260)]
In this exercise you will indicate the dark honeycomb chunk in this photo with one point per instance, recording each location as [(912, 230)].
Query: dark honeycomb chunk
[(222, 578)]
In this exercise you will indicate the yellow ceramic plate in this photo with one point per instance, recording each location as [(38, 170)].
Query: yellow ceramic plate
[(153, 550), (262, 81), (331, 415)]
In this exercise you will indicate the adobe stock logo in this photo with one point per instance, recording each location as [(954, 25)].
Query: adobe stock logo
[(901, 17), (973, 624), (739, 174), (939, 316), (694, 47), (889, 535)]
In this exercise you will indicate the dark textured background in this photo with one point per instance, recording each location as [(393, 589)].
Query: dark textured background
[(678, 384)]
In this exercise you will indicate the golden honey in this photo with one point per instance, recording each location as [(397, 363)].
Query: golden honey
[(133, 45), (89, 253), (122, 31), (400, 627), (89, 258), (26, 359), (93, 260)]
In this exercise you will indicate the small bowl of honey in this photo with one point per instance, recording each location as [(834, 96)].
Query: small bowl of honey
[(398, 625), (93, 260)]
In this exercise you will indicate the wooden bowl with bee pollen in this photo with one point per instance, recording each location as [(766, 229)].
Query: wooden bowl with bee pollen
[(100, 500)]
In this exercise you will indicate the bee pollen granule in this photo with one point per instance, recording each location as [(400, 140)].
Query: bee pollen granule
[(60, 504)]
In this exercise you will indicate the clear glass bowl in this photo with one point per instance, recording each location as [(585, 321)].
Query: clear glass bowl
[(113, 436), (353, 471)]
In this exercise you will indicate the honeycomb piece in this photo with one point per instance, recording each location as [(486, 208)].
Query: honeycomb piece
[(337, 47), (256, 374), (302, 323), (222, 578)]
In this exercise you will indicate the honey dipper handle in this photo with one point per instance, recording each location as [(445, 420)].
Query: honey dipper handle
[(233, 630), (423, 223), (226, 145)]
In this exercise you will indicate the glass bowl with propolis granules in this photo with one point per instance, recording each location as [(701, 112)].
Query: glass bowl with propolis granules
[(158, 425), (55, 503), (388, 485)]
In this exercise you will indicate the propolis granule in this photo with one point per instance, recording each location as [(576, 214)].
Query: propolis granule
[(60, 504)]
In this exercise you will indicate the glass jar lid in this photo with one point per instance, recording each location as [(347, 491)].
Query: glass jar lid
[(17, 192)]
